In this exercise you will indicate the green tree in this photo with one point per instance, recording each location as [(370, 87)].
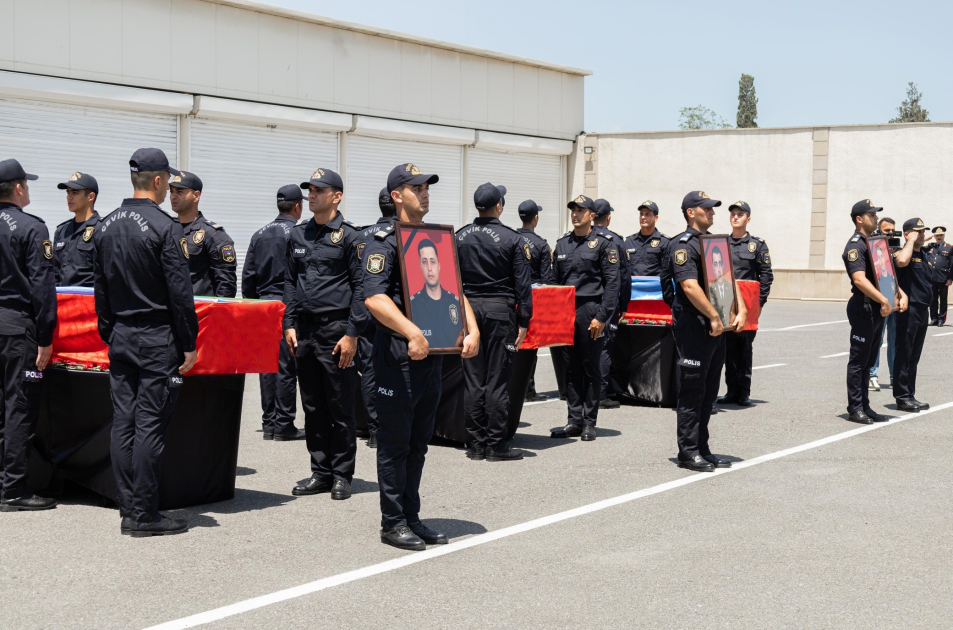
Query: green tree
[(747, 103), (910, 109), (700, 117)]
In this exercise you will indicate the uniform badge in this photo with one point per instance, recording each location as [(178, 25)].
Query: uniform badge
[(176, 179), (317, 174), (337, 235), (185, 247), (681, 257), (767, 258), (655, 242), (613, 256), (526, 251), (375, 263), (454, 314), (593, 244), (47, 250), (919, 222), (228, 253), (648, 202), (198, 237), (852, 255), (626, 254), (360, 250), (75, 176), (752, 246), (413, 170), (703, 194), (579, 199), (88, 234)]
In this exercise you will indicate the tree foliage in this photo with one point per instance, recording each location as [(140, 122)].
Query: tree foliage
[(700, 117), (747, 103), (910, 110)]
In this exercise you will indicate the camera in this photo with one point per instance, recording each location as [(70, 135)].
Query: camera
[(893, 239)]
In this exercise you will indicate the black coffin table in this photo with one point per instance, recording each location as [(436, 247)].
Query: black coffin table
[(643, 365), (201, 448)]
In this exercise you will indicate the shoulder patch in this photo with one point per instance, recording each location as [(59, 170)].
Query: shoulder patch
[(384, 233), (613, 256), (47, 249), (852, 255), (760, 239), (228, 253), (681, 256), (375, 263)]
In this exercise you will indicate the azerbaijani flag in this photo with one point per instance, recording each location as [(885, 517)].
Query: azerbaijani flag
[(646, 306)]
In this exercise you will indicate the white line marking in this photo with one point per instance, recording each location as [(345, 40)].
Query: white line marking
[(831, 356), (839, 321), (765, 367), (481, 539), (943, 334), (540, 402), (543, 354)]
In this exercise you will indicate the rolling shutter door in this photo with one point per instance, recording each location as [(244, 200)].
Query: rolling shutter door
[(526, 176), (369, 160), (54, 141), (243, 165)]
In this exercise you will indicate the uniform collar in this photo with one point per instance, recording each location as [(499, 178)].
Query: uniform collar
[(487, 221), (285, 217), (643, 237), (333, 224), (139, 201), (526, 231), (592, 234), (7, 204), (692, 231), (92, 219), (194, 225), (743, 239)]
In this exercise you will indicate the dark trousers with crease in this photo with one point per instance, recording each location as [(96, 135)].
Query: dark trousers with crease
[(698, 375), (739, 361), (866, 325), (605, 358), (486, 398), (365, 348), (20, 403), (279, 392), (584, 368), (911, 333), (938, 302)]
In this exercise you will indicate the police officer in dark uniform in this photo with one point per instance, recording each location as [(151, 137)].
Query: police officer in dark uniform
[(73, 240), (540, 269), (495, 269), (915, 276), (866, 310), (27, 321), (940, 254), (263, 278), (324, 314), (147, 318), (407, 376), (752, 261), (647, 247), (211, 250), (603, 215), (699, 338), (588, 260)]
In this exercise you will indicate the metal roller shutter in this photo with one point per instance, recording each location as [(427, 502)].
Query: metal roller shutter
[(243, 165), (369, 160), (54, 141)]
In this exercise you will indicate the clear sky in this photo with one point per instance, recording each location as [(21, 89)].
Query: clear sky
[(814, 63)]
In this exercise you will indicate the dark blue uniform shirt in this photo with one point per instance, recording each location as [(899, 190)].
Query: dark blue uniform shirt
[(625, 270), (683, 262), (752, 261), (856, 259), (212, 263), (591, 264), (941, 257), (540, 257), (27, 283), (73, 252), (263, 273), (916, 279)]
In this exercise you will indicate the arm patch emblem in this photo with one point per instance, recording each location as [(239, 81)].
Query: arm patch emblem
[(681, 257), (852, 255), (613, 256), (228, 253), (375, 263)]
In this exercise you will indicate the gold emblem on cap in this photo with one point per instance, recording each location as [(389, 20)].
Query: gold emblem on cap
[(198, 237), (739, 203), (337, 235), (752, 246), (75, 176), (88, 234), (579, 199), (870, 203), (919, 221), (413, 170), (317, 174), (176, 179), (703, 194), (648, 202)]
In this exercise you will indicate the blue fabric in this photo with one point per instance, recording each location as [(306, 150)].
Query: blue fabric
[(646, 288)]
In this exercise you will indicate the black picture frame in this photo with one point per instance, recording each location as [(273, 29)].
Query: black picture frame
[(714, 285)]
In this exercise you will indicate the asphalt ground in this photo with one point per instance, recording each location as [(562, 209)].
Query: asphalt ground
[(850, 533)]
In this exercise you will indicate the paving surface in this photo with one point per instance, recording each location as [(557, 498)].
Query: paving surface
[(853, 533)]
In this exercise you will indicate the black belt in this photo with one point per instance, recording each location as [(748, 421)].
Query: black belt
[(495, 300), (17, 309), (316, 319), (145, 318), (587, 299)]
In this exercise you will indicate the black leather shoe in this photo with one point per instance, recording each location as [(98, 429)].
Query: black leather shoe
[(297, 434), (126, 525), (727, 399), (873, 415), (570, 430), (697, 464), (743, 401), (588, 433), (267, 435), (860, 418), (507, 454), (165, 526), (563, 397), (906, 405), (428, 535), (340, 490), (311, 486), (402, 537), (31, 503), (922, 405), (534, 397), (372, 439), (608, 403), (476, 453), (717, 462)]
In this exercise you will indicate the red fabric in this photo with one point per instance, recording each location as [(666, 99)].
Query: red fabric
[(647, 312), (554, 315), (751, 293), (239, 337)]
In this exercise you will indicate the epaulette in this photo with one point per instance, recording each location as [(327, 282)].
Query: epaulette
[(412, 298), (855, 239), (34, 216), (687, 236), (63, 223), (565, 235), (384, 233), (301, 222), (216, 226), (349, 224), (759, 238), (607, 235), (667, 238)]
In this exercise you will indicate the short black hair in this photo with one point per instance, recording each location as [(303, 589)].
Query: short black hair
[(143, 180), (7, 188), (883, 220), (717, 250), (285, 207), (426, 242)]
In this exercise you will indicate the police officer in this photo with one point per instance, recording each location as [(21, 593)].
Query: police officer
[(147, 318), (587, 259), (407, 376), (324, 314), (602, 212), (866, 310), (263, 278), (940, 254), (27, 321), (365, 344), (752, 261), (211, 251), (699, 341), (540, 269), (73, 240), (915, 276), (495, 269), (646, 249)]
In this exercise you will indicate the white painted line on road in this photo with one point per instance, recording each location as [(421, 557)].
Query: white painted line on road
[(943, 334), (831, 356), (541, 402), (542, 354), (481, 539), (765, 367), (838, 321)]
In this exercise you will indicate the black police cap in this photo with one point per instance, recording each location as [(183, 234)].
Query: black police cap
[(150, 161), (699, 199), (528, 208), (863, 207), (939, 230), (914, 224), (186, 180), (11, 171), (384, 200), (486, 196), (324, 178), (648, 204), (80, 181), (408, 174), (602, 208), (741, 205), (290, 192), (582, 201)]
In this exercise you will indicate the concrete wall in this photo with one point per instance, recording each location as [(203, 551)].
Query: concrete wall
[(246, 50)]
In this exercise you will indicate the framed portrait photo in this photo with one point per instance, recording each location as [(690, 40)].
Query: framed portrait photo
[(719, 276), (430, 271), (885, 274)]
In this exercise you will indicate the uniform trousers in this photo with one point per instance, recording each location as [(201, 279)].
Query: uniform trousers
[(584, 368), (20, 403), (531, 388), (408, 393), (605, 359), (698, 375), (739, 359), (365, 348), (486, 399), (938, 302), (866, 324), (911, 332), (279, 394), (327, 395), (144, 384)]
